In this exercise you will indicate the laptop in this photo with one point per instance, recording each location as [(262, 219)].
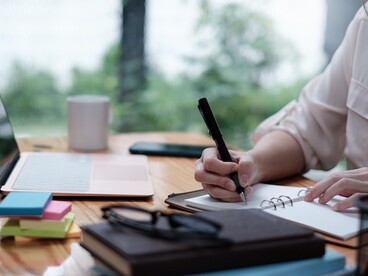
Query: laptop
[(70, 174)]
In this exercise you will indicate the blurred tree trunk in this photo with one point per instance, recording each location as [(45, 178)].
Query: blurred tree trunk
[(132, 58)]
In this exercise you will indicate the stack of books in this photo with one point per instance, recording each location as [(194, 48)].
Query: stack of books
[(332, 263), (258, 239), (36, 215)]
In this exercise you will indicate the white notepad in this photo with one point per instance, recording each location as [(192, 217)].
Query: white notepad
[(275, 200)]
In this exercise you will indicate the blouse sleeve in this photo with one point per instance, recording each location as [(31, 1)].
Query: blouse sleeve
[(317, 120)]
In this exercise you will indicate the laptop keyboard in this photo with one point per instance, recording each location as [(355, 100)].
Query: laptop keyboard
[(60, 172)]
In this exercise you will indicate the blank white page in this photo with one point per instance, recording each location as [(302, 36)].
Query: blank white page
[(341, 225), (259, 193)]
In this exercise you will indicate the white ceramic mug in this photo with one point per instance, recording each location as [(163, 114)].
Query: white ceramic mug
[(88, 122)]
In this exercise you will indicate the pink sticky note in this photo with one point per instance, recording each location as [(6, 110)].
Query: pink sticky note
[(56, 210)]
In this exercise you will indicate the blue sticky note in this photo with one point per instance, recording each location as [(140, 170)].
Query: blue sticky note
[(24, 203)]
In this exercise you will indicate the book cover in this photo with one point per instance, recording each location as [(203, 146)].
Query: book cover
[(331, 262), (24, 203), (253, 233)]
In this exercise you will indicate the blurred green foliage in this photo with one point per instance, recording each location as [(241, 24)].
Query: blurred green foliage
[(30, 94), (241, 50)]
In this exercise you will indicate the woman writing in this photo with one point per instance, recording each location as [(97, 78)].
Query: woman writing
[(327, 123)]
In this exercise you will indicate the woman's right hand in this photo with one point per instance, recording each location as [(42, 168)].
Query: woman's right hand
[(213, 173)]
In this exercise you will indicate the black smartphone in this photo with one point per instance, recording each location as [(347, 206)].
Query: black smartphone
[(168, 149)]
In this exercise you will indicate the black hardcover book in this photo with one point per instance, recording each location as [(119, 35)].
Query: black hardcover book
[(258, 238)]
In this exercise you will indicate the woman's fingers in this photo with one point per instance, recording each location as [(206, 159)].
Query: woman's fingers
[(350, 183), (213, 173)]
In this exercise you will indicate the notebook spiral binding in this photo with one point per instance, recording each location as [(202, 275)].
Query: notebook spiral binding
[(278, 201)]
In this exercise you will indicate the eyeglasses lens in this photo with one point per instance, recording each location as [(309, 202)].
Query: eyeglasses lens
[(133, 214)]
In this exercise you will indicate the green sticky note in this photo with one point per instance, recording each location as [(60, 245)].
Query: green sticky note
[(24, 203), (12, 228)]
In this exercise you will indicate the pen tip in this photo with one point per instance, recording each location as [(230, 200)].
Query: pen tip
[(244, 198)]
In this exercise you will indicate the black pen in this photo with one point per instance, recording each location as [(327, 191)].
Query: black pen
[(214, 131)]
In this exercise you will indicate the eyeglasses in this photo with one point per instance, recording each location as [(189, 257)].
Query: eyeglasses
[(165, 225)]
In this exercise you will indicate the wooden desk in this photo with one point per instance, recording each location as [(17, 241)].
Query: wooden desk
[(169, 175)]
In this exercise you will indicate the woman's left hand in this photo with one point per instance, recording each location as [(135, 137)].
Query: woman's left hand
[(352, 184)]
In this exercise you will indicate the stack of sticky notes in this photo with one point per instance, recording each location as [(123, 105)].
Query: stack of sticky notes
[(35, 214)]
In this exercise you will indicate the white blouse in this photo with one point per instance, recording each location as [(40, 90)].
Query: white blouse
[(330, 118)]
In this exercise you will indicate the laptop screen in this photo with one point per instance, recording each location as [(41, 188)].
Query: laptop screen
[(9, 151)]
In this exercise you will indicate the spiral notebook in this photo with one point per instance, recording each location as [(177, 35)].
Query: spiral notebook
[(287, 202)]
